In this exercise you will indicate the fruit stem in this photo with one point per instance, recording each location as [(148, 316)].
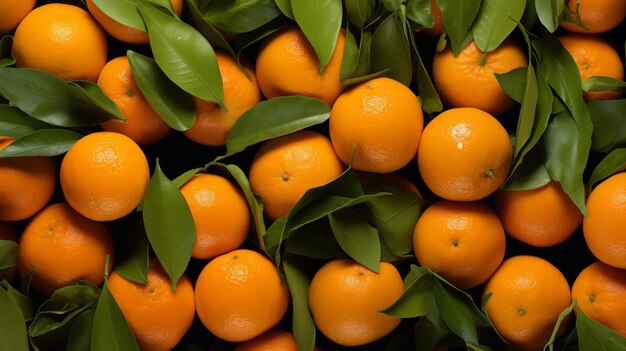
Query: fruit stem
[(489, 173), (483, 59)]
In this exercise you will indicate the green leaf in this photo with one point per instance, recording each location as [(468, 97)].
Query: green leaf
[(390, 50), (455, 312), (402, 341), (184, 55), (430, 98), (49, 99), (531, 173), (609, 124), (273, 118), (549, 13), (245, 40), (9, 256), (613, 163), (79, 338), (173, 104), (356, 237), (418, 285), (495, 21), (93, 92), (513, 82), (419, 14), (359, 11), (530, 15), (429, 336), (240, 16), (350, 56), (457, 17), (15, 124), (23, 302), (214, 36), (185, 177), (285, 7), (43, 142), (593, 336), (562, 318), (169, 225), (359, 72), (315, 240), (600, 83), (132, 257), (125, 11), (12, 325), (6, 51), (526, 119), (320, 21), (110, 330), (298, 282)]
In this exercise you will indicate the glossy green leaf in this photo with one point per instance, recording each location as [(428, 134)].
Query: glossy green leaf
[(110, 330), (169, 225), (79, 338), (609, 124), (593, 336), (526, 119), (298, 282), (529, 18), (496, 19), (419, 14), (513, 82), (430, 100), (212, 34), (457, 17), (455, 312), (356, 237), (185, 177), (359, 11), (531, 173), (47, 98), (390, 50), (350, 56), (94, 93), (240, 16), (599, 83), (184, 55), (418, 284), (246, 40), (315, 240), (285, 7), (613, 163), (6, 51), (549, 13), (43, 142), (9, 256), (15, 124), (132, 257), (12, 325), (23, 302), (320, 21), (125, 11), (563, 317), (359, 73), (273, 118)]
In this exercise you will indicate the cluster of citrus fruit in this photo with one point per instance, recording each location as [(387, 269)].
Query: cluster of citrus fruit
[(310, 206)]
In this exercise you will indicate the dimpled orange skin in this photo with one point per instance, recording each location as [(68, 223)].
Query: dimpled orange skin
[(594, 56), (62, 247), (240, 296), (122, 32), (63, 40), (273, 340), (157, 316), (220, 213), (528, 294), (384, 119), (104, 176), (598, 15), (463, 241), (464, 154), (540, 217), (603, 227), (213, 123), (286, 167), (463, 82), (287, 65), (12, 12), (600, 291), (8, 233), (345, 297), (26, 184), (143, 124)]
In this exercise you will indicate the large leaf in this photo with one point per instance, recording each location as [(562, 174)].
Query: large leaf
[(609, 124), (132, 259), (359, 11), (79, 338), (15, 124), (110, 330), (611, 164), (184, 55), (298, 283), (419, 14), (359, 71), (593, 336), (240, 16), (125, 11), (93, 92), (285, 7), (169, 225), (600, 83), (212, 34), (418, 284), (455, 312), (457, 17), (9, 256), (390, 50), (22, 301), (6, 51), (320, 21), (549, 13), (43, 142), (356, 237), (495, 21), (12, 325), (315, 240)]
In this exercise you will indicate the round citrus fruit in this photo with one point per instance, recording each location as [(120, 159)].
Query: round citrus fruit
[(437, 29), (383, 119), (464, 154), (104, 176), (8, 233), (598, 16), (273, 340), (12, 12)]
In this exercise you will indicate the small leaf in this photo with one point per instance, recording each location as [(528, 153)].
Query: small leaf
[(513, 82), (609, 124), (12, 325), (125, 11), (79, 338), (298, 282), (240, 16), (245, 40), (419, 14), (496, 19), (23, 302), (44, 142), (350, 56), (110, 330), (549, 13), (94, 93), (526, 119), (390, 50), (430, 98), (169, 225), (185, 177), (599, 83), (15, 124), (593, 336), (563, 317), (359, 11), (356, 237), (9, 255), (6, 51), (613, 163), (455, 312), (457, 17), (133, 256)]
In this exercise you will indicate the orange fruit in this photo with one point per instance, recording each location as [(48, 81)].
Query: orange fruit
[(437, 29), (104, 176), (383, 118), (464, 154), (143, 124), (12, 12), (240, 295), (286, 167), (8, 233), (464, 81), (26, 184), (594, 56), (528, 295), (604, 225), (60, 246), (240, 93), (220, 213), (345, 299), (600, 291), (63, 40), (123, 32), (273, 340), (539, 217), (157, 316), (463, 241), (287, 65), (598, 15)]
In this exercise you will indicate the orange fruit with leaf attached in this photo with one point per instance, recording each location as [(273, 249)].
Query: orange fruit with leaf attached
[(284, 168), (600, 291), (104, 176), (598, 16), (288, 65), (12, 12), (527, 296), (469, 81), (123, 32), (220, 214), (464, 154), (26, 184), (213, 123), (61, 247), (604, 225), (273, 340), (594, 56), (437, 29), (463, 241), (240, 295), (158, 316), (63, 40), (345, 298), (8, 233), (383, 119), (143, 124)]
